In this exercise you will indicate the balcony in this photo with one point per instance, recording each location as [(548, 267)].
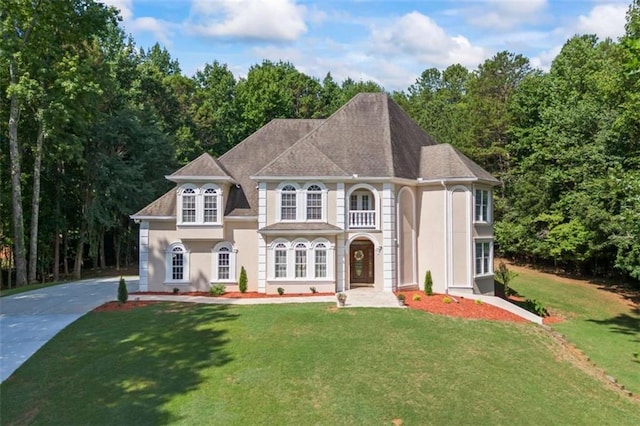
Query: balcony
[(362, 219)]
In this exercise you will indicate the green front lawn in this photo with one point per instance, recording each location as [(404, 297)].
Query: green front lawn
[(303, 364), (600, 322)]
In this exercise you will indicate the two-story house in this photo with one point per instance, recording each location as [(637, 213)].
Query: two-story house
[(362, 198)]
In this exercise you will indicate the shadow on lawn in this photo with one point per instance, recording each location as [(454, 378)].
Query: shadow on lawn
[(162, 359), (624, 324)]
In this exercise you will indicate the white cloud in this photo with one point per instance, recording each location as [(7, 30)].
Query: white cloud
[(505, 14), (277, 20), (605, 20), (420, 37), (544, 59), (160, 29)]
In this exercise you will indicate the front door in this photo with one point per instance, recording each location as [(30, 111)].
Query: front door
[(361, 263)]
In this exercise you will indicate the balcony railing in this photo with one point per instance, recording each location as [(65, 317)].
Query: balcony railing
[(362, 219)]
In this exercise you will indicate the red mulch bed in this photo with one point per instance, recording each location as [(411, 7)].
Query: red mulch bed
[(234, 294), (117, 306), (465, 308)]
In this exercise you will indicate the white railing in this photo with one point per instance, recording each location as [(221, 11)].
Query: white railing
[(362, 219)]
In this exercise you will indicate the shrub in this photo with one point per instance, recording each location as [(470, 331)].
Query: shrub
[(402, 297), (313, 290), (280, 291), (123, 295), (447, 300), (478, 302), (342, 297), (176, 290), (428, 284), (416, 297), (218, 290), (536, 307), (504, 275), (242, 283)]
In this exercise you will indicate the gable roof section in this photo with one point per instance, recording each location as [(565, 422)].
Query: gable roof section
[(255, 152), (302, 159), (205, 166), (445, 162)]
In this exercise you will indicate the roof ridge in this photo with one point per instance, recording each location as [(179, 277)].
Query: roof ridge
[(186, 165), (388, 141)]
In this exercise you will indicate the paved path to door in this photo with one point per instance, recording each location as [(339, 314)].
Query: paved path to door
[(28, 320)]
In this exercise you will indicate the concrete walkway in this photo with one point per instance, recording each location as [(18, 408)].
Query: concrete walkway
[(356, 298), (28, 320)]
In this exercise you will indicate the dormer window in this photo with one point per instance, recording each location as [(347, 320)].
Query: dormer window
[(199, 205)]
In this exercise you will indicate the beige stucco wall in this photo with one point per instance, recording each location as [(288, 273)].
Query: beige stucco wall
[(164, 233), (431, 223), (460, 238), (273, 204)]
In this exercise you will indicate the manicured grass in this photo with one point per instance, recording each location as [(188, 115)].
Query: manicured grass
[(599, 322), (303, 364)]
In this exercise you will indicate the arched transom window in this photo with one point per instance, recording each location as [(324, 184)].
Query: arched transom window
[(199, 205), (301, 260), (176, 264)]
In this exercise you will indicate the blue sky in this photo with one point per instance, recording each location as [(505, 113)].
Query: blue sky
[(390, 42)]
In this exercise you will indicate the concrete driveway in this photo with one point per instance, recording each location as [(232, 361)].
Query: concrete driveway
[(28, 320)]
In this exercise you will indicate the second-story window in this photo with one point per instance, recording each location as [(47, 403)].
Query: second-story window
[(288, 204), (314, 203), (188, 205), (210, 201), (482, 208)]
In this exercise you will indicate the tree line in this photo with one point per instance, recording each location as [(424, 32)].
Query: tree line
[(91, 124)]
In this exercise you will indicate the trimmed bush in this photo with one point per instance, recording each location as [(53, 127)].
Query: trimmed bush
[(280, 291), (242, 283), (218, 290), (416, 297), (428, 284), (447, 300), (313, 290), (123, 294)]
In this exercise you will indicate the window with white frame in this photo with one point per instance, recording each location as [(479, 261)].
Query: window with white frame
[(224, 263), (482, 208), (314, 202), (484, 258), (199, 205), (188, 203), (210, 205), (302, 260), (288, 203), (280, 260), (176, 264), (320, 263)]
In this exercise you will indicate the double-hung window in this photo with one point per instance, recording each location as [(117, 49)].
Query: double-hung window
[(483, 257), (301, 260), (188, 205), (482, 210), (210, 205), (314, 203), (321, 260), (280, 260), (176, 264), (288, 203)]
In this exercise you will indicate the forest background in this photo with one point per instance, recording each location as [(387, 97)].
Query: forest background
[(90, 125)]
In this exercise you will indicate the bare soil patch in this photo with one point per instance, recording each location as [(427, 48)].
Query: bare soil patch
[(117, 306)]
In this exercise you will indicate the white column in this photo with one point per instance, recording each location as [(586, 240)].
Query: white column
[(262, 244), (144, 256), (340, 213), (388, 237), (340, 278)]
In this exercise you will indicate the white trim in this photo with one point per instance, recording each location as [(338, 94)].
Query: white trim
[(143, 260), (241, 218), (168, 265), (215, 251), (300, 231), (414, 272), (389, 242), (262, 244), (340, 205), (340, 262), (140, 218), (179, 179)]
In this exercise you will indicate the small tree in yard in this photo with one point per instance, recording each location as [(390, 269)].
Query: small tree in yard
[(123, 295), (504, 275), (428, 284), (242, 283)]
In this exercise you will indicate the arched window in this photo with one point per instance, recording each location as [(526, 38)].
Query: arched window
[(320, 252), (176, 264), (288, 203), (224, 263), (210, 205), (314, 202), (280, 260), (188, 204), (301, 260)]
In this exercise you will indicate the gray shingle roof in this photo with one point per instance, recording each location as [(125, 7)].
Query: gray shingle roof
[(445, 162), (297, 227), (370, 136)]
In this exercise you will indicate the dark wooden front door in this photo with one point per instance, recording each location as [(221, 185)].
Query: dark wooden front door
[(361, 262)]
